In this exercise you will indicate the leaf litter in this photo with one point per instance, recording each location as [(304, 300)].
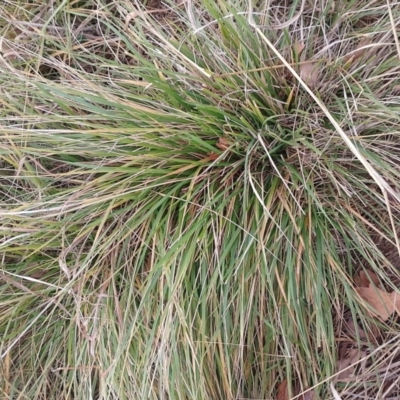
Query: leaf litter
[(310, 73), (381, 305), (282, 392), (348, 363), (353, 357)]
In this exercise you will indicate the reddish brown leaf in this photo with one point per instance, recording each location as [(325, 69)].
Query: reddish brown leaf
[(211, 157), (365, 277), (283, 392), (223, 143)]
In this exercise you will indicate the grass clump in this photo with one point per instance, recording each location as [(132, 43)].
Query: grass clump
[(181, 217)]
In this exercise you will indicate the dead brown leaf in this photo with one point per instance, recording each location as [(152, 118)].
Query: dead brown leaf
[(352, 331), (283, 392), (211, 157), (365, 277), (344, 364), (310, 74), (382, 304), (223, 143)]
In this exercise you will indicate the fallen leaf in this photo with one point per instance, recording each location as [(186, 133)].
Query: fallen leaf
[(355, 332), (223, 143), (310, 74), (351, 330), (283, 392), (344, 364), (365, 277), (382, 304), (363, 280), (211, 157)]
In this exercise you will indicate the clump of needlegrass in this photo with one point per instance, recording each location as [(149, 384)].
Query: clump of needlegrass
[(181, 219)]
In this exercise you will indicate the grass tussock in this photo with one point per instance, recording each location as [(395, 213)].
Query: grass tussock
[(188, 191)]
